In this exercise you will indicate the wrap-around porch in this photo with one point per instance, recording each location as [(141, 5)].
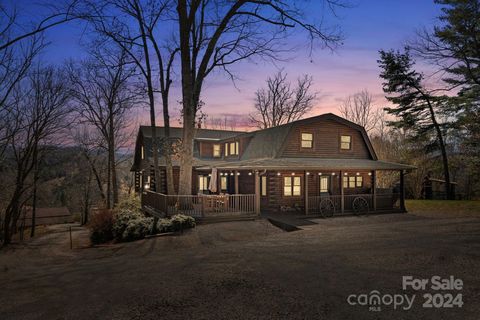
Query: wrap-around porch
[(230, 189)]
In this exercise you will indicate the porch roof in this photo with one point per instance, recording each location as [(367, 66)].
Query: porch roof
[(307, 163)]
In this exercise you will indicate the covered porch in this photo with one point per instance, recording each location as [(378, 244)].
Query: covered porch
[(310, 187)]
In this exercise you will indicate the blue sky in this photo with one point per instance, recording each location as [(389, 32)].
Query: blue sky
[(368, 26)]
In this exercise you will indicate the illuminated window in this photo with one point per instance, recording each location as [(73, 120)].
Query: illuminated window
[(359, 182), (142, 151), (223, 183), (291, 186), (324, 184), (353, 182), (237, 147), (216, 150), (307, 140), (202, 183), (233, 148), (263, 185), (226, 149), (345, 142)]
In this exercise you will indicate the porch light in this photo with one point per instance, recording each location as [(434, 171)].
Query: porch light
[(250, 173), (358, 173), (147, 186), (221, 173), (238, 173), (278, 173), (369, 173), (345, 174), (319, 173), (308, 173), (209, 174), (231, 173), (293, 173), (333, 173)]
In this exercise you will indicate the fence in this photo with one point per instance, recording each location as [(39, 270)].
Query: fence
[(199, 206)]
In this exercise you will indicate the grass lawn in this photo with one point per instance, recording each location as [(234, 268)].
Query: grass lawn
[(443, 208)]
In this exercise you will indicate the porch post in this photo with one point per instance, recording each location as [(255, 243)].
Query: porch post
[(374, 189), (236, 181), (342, 200), (402, 191), (306, 191), (257, 193)]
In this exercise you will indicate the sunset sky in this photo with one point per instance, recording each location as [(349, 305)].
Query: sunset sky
[(368, 27)]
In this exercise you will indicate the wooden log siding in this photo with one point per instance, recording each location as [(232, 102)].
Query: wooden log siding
[(326, 141)]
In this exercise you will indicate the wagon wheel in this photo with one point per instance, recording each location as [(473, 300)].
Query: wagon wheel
[(327, 208), (360, 206)]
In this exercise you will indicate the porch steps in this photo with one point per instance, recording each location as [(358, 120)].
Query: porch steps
[(207, 220)]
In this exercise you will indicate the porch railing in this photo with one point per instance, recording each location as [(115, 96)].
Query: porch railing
[(378, 202), (199, 206)]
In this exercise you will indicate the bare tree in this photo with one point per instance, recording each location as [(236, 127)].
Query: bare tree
[(359, 109), (140, 34), (279, 103), (104, 89), (217, 34), (39, 109)]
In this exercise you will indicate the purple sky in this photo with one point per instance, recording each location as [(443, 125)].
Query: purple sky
[(369, 26)]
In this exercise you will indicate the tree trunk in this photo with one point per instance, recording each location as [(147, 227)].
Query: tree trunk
[(446, 171), (168, 153), (34, 196), (109, 185), (111, 154)]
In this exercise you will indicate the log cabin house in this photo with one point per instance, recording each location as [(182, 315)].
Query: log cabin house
[(320, 165)]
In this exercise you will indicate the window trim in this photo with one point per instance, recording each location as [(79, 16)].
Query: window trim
[(306, 140), (349, 143)]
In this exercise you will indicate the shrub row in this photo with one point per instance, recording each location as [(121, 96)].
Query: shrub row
[(128, 223)]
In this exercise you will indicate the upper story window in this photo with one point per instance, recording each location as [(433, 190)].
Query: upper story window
[(233, 148), (291, 186), (216, 150), (226, 149), (345, 142), (142, 152), (307, 140)]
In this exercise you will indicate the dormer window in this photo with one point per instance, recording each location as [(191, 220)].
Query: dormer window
[(346, 142), (226, 149), (233, 148), (142, 152), (216, 151), (307, 140)]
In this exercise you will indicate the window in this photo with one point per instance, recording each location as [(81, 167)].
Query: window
[(202, 183), (142, 151), (223, 183), (233, 148), (324, 184), (226, 149), (263, 185), (216, 150), (307, 140), (291, 186), (237, 147), (346, 142), (359, 182), (353, 182)]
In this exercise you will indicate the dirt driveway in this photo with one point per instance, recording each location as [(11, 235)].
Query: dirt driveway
[(247, 270)]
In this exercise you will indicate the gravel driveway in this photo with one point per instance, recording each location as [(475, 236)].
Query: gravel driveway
[(246, 270)]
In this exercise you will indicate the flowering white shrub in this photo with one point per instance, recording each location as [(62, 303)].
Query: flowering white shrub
[(131, 225), (176, 223)]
